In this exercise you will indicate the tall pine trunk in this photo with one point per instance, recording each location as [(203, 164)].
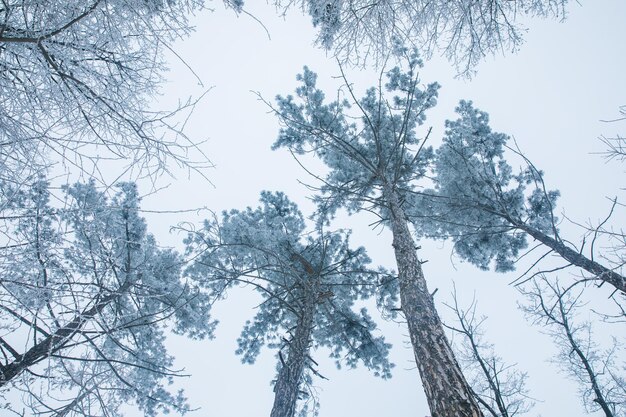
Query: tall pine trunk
[(290, 374), (447, 391)]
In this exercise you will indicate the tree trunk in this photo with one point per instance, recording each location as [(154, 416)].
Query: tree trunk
[(60, 337), (577, 259), (447, 391), (57, 340), (290, 374)]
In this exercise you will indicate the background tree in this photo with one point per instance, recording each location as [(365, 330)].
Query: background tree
[(465, 31), (79, 73), (616, 145), (84, 296), (487, 210), (598, 372), (499, 388), (309, 283), (374, 160)]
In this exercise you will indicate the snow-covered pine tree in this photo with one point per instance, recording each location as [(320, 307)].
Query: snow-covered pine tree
[(309, 283), (375, 159)]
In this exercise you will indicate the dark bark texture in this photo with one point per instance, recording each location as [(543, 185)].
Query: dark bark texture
[(57, 340), (290, 375), (447, 391)]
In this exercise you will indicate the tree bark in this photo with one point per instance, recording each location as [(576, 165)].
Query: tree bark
[(577, 259), (290, 374), (57, 340), (447, 391)]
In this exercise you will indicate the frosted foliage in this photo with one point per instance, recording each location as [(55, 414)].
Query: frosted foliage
[(388, 296), (326, 15), (295, 272), (367, 144), (478, 202), (266, 328), (348, 335), (79, 72), (465, 31), (85, 296)]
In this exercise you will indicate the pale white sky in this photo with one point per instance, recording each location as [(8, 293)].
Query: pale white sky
[(550, 96)]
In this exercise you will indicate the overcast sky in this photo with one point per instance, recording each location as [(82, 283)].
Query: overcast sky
[(551, 96)]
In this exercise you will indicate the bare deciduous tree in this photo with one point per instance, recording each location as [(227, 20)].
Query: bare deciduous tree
[(465, 31), (615, 145), (598, 372), (499, 388), (78, 74)]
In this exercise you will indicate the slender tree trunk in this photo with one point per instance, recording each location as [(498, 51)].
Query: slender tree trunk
[(447, 391), (593, 376), (576, 258), (57, 340), (290, 374)]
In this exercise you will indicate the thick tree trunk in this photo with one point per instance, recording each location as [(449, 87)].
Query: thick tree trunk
[(577, 259), (447, 391), (290, 374)]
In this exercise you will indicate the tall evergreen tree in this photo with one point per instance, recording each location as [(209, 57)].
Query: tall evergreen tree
[(309, 283), (374, 161)]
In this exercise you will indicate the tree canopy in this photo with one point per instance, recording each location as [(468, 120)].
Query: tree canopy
[(373, 165), (309, 283), (88, 297), (464, 31), (85, 297), (488, 210), (79, 74)]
